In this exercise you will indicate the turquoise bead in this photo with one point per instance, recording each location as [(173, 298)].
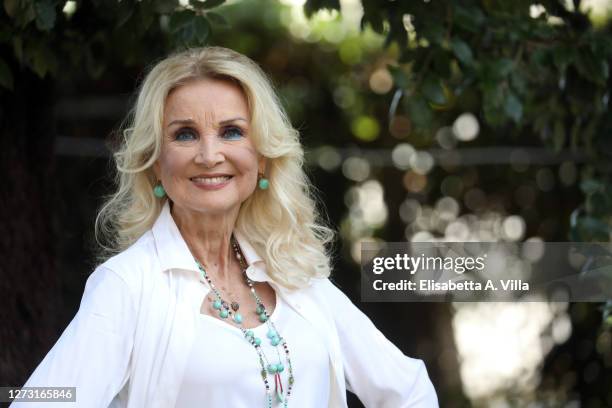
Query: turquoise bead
[(217, 304), (271, 333), (238, 318), (264, 183), (260, 309), (280, 367), (249, 333), (271, 368), (263, 317), (275, 341), (224, 313), (257, 341), (159, 191)]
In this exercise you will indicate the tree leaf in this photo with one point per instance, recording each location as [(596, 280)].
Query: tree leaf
[(180, 20), (314, 5), (400, 79), (519, 82), (375, 19), (160, 6), (462, 51), (39, 63), (592, 68), (202, 29), (502, 67), (563, 56), (45, 15), (492, 102), (6, 76), (217, 19), (594, 226), (25, 14), (513, 107), (419, 111), (206, 5), (189, 28), (124, 12), (589, 186), (11, 7), (558, 136), (470, 19), (434, 32), (433, 91), (441, 62)]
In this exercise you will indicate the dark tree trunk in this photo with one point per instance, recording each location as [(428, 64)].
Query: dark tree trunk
[(30, 286)]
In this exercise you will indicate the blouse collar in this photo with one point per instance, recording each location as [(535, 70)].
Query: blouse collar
[(174, 253)]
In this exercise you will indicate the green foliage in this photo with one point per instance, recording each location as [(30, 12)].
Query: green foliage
[(189, 28), (41, 33), (314, 5), (545, 78)]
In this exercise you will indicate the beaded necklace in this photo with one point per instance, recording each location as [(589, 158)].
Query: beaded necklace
[(231, 311)]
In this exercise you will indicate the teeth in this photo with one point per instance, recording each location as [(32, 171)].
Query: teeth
[(210, 180)]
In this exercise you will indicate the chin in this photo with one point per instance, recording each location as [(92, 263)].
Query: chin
[(215, 208)]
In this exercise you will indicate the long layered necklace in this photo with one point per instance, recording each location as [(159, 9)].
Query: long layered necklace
[(230, 311)]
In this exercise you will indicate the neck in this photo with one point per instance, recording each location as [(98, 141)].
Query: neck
[(208, 236)]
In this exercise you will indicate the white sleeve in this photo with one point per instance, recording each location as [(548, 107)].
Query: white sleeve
[(93, 352), (374, 368)]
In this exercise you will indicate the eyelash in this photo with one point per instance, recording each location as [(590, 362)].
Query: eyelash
[(227, 129)]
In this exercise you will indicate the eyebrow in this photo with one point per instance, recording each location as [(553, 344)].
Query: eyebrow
[(191, 122)]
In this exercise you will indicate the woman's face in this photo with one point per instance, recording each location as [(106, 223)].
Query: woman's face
[(208, 162)]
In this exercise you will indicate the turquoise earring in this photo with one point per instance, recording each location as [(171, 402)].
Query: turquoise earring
[(159, 191), (262, 182)]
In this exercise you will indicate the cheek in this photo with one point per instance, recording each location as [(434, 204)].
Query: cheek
[(246, 159), (171, 163)]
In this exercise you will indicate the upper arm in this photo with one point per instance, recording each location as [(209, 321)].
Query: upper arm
[(93, 352), (375, 369)]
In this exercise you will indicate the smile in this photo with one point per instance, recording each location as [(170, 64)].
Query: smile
[(211, 183)]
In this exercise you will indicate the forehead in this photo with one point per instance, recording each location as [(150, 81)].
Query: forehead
[(206, 98)]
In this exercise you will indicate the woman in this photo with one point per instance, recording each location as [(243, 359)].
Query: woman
[(218, 292)]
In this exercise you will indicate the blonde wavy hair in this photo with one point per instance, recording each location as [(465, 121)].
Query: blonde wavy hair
[(282, 223)]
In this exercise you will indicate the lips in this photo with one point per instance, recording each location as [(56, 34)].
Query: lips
[(210, 180)]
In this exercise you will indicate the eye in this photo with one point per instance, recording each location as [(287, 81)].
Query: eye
[(185, 134), (232, 133)]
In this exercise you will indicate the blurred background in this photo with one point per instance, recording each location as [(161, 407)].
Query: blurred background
[(422, 120)]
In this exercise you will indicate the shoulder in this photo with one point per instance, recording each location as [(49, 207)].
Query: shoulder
[(131, 264), (325, 292)]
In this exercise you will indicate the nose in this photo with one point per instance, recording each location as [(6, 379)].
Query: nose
[(209, 152)]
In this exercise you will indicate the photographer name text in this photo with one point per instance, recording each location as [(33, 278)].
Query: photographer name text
[(430, 285)]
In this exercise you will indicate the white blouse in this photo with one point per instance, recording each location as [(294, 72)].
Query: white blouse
[(130, 342), (223, 368)]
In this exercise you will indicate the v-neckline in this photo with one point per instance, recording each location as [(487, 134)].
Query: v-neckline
[(225, 322)]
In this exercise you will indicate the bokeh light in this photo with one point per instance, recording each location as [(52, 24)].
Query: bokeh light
[(356, 168), (502, 345), (400, 126), (401, 155), (513, 228), (381, 81), (446, 138), (414, 182), (421, 162), (466, 127), (328, 158), (365, 128)]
